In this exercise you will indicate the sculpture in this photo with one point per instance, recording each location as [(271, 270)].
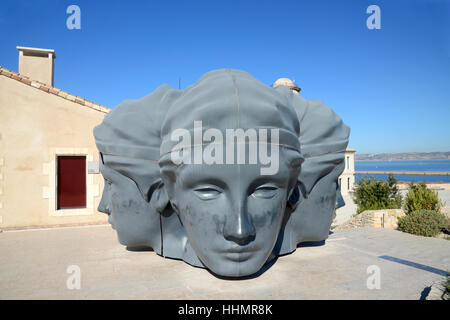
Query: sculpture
[(228, 173)]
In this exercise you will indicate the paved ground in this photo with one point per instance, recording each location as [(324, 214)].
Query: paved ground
[(33, 266)]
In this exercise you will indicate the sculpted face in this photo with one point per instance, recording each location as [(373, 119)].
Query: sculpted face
[(232, 215), (225, 208), (312, 218), (136, 222)]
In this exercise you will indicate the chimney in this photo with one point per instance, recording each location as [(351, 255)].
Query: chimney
[(37, 64)]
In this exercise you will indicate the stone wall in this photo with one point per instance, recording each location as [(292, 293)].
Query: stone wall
[(387, 218), (39, 123)]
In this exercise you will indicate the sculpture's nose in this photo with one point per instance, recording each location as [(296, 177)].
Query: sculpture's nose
[(339, 200), (238, 228)]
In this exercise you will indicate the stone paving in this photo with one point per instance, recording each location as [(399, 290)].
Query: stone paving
[(34, 265)]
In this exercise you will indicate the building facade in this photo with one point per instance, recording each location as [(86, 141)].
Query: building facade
[(48, 158), (347, 178)]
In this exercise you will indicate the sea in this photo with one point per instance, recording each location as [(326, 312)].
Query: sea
[(405, 165)]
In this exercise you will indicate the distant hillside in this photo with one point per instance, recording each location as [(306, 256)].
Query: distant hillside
[(403, 156)]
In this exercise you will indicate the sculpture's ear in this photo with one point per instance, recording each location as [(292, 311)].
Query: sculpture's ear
[(159, 199), (298, 193)]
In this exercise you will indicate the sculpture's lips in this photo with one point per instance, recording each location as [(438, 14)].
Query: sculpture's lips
[(238, 250), (240, 256), (111, 222)]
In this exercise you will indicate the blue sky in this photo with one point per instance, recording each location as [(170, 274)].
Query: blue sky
[(391, 86)]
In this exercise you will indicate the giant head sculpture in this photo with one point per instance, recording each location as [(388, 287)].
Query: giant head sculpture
[(226, 189)]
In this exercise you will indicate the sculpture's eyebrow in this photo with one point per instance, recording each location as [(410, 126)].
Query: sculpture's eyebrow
[(191, 175), (278, 180)]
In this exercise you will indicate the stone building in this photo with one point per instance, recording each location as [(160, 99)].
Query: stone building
[(48, 157), (347, 178)]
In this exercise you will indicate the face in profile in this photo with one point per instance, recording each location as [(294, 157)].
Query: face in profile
[(312, 217), (231, 213), (136, 222)]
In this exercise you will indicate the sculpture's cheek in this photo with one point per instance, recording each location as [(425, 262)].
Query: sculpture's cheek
[(219, 223), (266, 212), (126, 204)]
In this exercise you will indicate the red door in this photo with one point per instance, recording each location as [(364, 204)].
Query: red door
[(71, 182)]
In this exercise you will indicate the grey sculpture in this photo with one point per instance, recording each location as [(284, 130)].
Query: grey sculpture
[(227, 174)]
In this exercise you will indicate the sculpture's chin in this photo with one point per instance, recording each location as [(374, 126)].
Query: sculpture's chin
[(233, 269), (236, 273)]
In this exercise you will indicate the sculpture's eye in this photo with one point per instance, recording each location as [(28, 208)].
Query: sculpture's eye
[(207, 192), (266, 191)]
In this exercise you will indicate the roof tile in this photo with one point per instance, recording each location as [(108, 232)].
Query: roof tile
[(51, 90)]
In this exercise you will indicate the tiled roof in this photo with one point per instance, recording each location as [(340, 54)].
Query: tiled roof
[(51, 90)]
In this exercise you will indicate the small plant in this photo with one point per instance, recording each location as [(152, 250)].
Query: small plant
[(446, 295), (377, 194), (420, 197), (423, 223)]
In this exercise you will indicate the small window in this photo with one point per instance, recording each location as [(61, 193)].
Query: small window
[(348, 183), (340, 182), (348, 162), (71, 182)]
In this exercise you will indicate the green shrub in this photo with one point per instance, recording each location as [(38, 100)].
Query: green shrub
[(423, 223), (419, 197), (377, 194)]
